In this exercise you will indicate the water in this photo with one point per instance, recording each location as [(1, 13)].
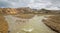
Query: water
[(33, 25)]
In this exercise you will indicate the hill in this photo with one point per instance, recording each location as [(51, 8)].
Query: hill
[(27, 10)]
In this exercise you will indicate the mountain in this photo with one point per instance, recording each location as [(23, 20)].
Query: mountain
[(8, 10), (27, 10)]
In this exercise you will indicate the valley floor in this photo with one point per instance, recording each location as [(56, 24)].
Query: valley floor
[(32, 25)]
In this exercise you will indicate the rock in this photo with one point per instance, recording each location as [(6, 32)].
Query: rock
[(53, 22), (3, 25)]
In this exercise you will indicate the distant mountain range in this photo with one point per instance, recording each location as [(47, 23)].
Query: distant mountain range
[(27, 10)]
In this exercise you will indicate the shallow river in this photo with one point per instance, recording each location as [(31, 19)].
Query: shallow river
[(33, 25)]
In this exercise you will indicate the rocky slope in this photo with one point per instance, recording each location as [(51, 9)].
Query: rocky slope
[(53, 22), (27, 10), (3, 25), (8, 10)]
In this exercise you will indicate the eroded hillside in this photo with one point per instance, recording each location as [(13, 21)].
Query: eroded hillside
[(8, 10), (53, 22), (20, 16), (27, 10)]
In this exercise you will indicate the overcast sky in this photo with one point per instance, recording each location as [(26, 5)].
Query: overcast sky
[(37, 4)]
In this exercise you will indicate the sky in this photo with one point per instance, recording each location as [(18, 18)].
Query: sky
[(36, 4)]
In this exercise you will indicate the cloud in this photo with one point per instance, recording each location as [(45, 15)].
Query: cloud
[(37, 4), (48, 4), (41, 4), (4, 4), (13, 3)]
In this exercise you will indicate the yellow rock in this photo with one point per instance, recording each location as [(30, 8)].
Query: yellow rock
[(3, 25)]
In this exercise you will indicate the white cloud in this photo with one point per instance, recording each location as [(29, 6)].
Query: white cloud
[(48, 4), (40, 4), (37, 4), (53, 8)]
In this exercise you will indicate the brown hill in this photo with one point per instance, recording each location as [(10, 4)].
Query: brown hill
[(24, 10), (27, 10), (8, 10), (15, 10)]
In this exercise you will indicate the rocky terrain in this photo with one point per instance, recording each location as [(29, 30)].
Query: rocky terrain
[(31, 25), (53, 22), (27, 10), (3, 25), (18, 16), (8, 11)]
